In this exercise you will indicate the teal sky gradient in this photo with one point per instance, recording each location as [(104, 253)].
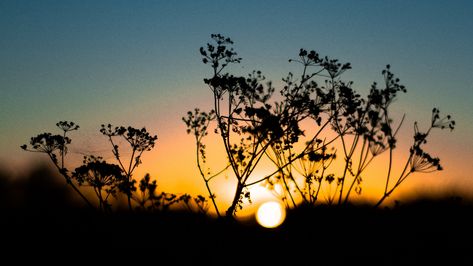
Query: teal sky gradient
[(137, 62)]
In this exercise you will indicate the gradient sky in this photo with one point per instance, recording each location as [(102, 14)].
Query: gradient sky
[(137, 63)]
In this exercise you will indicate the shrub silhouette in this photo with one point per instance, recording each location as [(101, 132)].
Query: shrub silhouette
[(255, 124)]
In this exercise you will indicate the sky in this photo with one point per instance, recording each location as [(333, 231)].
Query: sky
[(137, 63)]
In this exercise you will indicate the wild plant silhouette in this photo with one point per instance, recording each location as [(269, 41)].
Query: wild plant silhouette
[(110, 180), (255, 124)]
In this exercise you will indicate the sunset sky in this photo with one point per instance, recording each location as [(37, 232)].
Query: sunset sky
[(137, 63)]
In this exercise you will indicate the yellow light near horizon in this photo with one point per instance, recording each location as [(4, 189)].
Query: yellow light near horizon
[(271, 214)]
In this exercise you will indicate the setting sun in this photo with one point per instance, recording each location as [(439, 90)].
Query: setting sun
[(270, 214)]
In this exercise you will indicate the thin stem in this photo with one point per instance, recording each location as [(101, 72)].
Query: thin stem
[(401, 178), (69, 181), (359, 170), (287, 189), (225, 140), (386, 195), (347, 165), (63, 150), (203, 176), (212, 197), (389, 169), (116, 153)]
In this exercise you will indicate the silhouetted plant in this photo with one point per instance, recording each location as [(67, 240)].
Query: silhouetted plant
[(108, 179), (103, 177), (197, 123), (366, 122), (201, 203), (313, 169), (146, 197), (149, 199), (241, 110), (251, 126), (306, 100), (140, 141), (56, 146), (419, 161), (254, 124)]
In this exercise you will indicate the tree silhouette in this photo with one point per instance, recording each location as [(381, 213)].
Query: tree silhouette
[(255, 124)]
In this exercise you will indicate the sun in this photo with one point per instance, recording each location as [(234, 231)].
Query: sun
[(270, 214)]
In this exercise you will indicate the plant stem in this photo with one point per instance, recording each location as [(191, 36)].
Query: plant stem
[(236, 199), (69, 181)]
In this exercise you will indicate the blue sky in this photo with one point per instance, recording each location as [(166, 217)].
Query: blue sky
[(137, 62)]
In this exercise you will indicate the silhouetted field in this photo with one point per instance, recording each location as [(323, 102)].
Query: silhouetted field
[(40, 217)]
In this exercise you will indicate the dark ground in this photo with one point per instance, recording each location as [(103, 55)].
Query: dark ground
[(39, 223)]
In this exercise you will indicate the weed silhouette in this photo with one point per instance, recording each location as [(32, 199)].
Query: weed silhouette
[(254, 124), (108, 179)]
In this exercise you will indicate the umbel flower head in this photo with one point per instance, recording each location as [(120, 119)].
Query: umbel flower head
[(49, 144), (98, 173), (422, 161)]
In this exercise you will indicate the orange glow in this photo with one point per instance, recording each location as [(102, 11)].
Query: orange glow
[(173, 164)]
